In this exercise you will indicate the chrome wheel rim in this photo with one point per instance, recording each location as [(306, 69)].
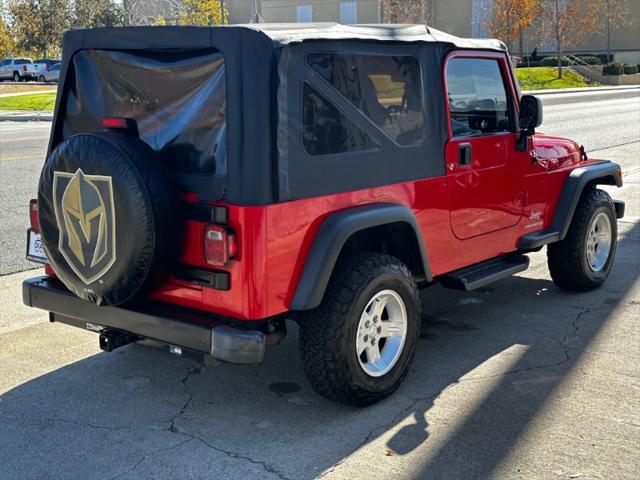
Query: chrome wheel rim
[(599, 242), (382, 331)]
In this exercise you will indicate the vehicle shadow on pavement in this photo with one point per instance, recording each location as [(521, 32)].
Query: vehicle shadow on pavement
[(486, 366), (557, 328)]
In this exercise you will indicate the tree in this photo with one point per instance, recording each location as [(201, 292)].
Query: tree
[(196, 12), (509, 18), (97, 13), (615, 15), (7, 45), (567, 22), (38, 25)]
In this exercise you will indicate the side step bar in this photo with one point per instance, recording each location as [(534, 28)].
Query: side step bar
[(482, 274)]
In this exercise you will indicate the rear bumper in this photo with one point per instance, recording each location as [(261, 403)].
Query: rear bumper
[(162, 323)]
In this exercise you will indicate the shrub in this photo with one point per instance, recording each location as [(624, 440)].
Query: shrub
[(553, 62), (526, 64), (590, 59), (613, 68), (630, 69)]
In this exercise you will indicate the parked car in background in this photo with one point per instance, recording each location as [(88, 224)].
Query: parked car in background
[(14, 69), (38, 69), (51, 74)]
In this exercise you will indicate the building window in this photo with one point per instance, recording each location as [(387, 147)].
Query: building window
[(304, 13), (387, 89), (348, 12)]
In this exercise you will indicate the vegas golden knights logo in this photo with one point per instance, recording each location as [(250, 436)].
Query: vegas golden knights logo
[(85, 216)]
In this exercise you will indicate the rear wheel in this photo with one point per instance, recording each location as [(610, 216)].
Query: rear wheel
[(41, 79), (16, 77), (356, 347), (582, 261)]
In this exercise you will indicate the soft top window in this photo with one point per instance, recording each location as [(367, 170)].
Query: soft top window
[(176, 97), (387, 89)]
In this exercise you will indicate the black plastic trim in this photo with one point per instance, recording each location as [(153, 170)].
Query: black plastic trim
[(607, 173), (620, 207), (331, 237), (205, 213), (484, 273), (166, 324), (206, 278)]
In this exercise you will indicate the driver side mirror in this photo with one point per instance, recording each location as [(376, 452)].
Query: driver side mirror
[(530, 112), (530, 118)]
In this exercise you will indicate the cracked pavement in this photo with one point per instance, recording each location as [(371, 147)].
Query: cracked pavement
[(519, 380)]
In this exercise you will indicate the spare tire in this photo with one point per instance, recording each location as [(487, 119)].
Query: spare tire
[(107, 208)]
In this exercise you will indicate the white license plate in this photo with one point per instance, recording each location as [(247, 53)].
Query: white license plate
[(35, 249)]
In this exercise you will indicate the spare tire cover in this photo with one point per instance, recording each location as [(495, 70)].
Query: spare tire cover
[(106, 209)]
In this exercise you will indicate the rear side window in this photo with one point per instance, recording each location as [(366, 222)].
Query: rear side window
[(478, 99), (387, 89), (326, 130)]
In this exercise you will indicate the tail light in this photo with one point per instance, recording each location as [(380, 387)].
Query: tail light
[(219, 245), (120, 123), (33, 215)]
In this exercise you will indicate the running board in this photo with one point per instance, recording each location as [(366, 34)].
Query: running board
[(482, 274)]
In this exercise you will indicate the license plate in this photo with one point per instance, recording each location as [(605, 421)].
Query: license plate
[(35, 249)]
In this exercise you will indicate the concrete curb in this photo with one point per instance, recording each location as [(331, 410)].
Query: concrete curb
[(26, 117), (607, 88)]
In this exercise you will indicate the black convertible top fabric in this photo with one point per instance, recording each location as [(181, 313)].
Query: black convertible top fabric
[(256, 72), (287, 33)]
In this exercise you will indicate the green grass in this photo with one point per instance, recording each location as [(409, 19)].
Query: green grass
[(539, 78), (37, 101)]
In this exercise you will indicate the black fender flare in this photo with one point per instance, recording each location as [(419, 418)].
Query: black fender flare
[(604, 173), (333, 233)]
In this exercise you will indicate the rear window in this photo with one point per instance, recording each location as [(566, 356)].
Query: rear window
[(22, 61), (177, 98)]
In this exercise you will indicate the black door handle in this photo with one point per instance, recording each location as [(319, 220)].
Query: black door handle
[(464, 154)]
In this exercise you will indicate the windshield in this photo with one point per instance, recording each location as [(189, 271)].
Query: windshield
[(176, 97)]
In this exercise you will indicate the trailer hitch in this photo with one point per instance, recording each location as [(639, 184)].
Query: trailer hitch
[(111, 339)]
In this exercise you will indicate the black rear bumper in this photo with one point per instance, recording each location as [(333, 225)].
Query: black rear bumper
[(196, 331)]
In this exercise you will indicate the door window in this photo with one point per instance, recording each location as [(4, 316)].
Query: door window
[(478, 99), (387, 89)]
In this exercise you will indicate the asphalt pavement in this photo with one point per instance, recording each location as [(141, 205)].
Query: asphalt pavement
[(517, 381)]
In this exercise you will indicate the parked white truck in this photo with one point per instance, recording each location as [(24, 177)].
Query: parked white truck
[(15, 69)]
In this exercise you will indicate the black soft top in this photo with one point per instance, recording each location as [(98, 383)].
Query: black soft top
[(261, 132), (279, 34)]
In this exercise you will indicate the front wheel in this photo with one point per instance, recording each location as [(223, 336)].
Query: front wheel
[(357, 346), (582, 261)]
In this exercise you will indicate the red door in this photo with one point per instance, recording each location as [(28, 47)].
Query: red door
[(485, 171)]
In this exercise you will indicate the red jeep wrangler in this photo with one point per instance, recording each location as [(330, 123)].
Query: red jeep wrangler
[(204, 184)]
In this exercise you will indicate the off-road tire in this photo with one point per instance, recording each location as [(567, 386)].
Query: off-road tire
[(328, 333), (567, 259)]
